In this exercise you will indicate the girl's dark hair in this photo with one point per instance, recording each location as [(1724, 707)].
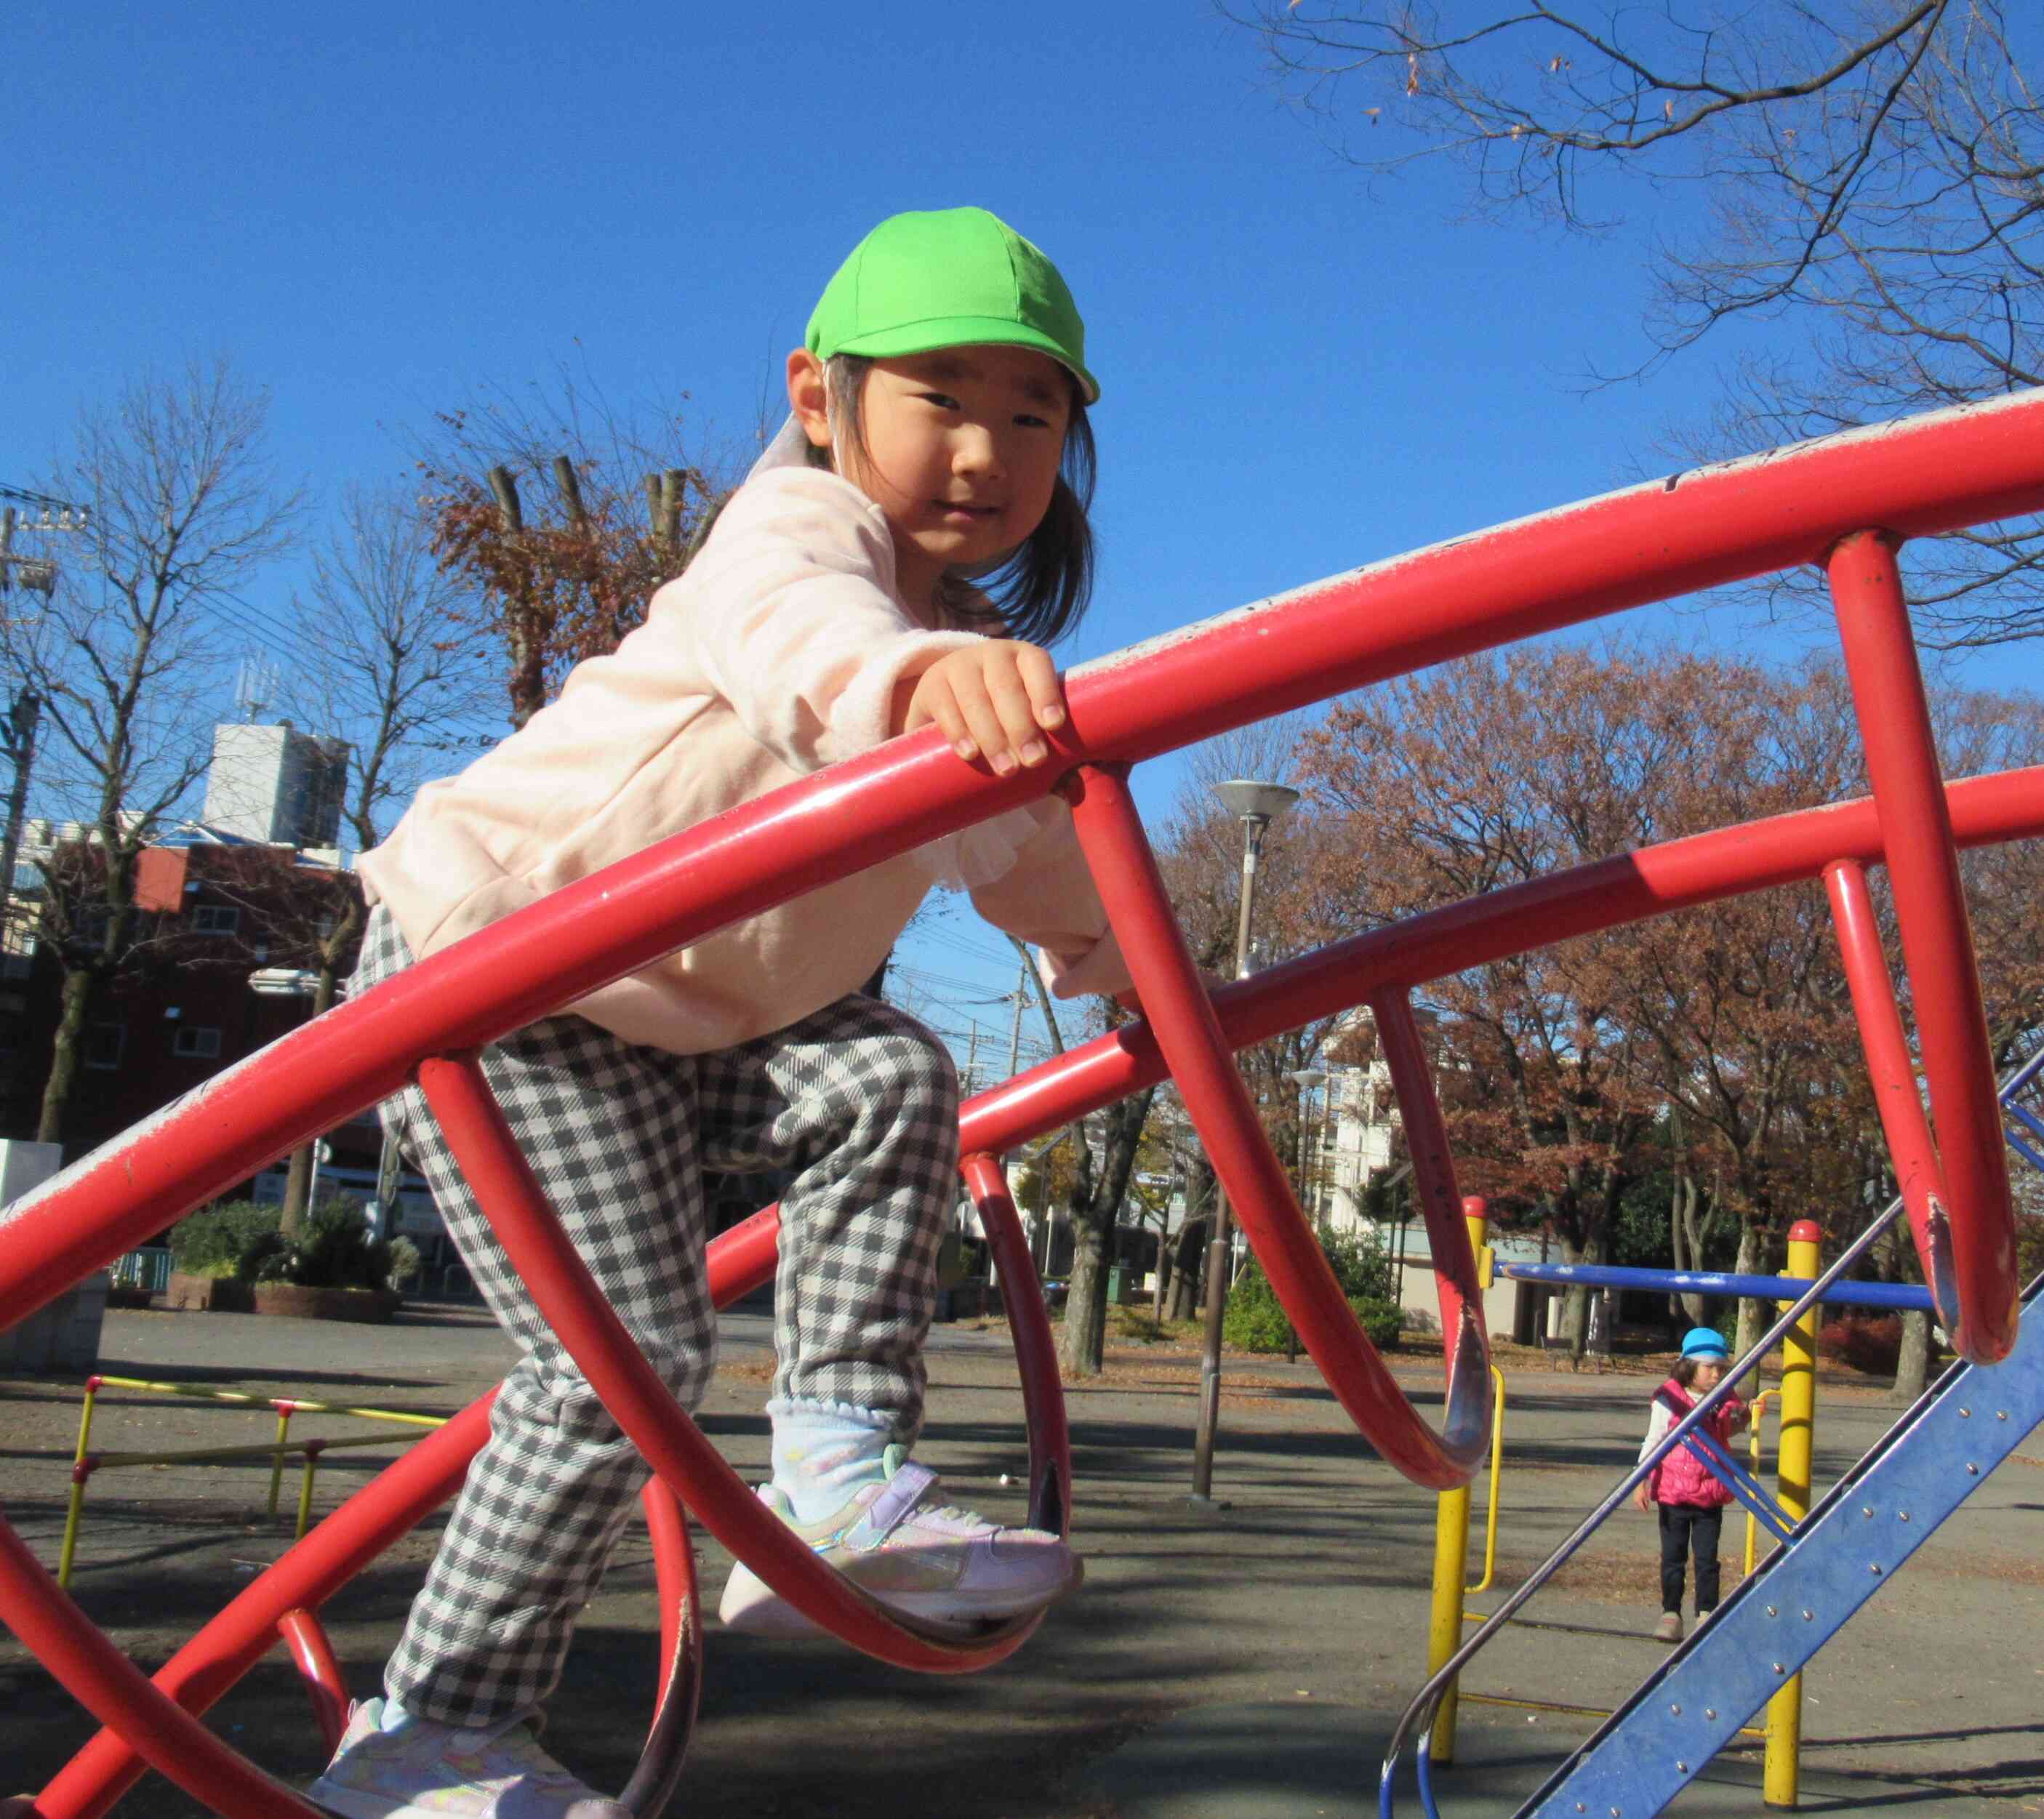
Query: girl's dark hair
[(1041, 592)]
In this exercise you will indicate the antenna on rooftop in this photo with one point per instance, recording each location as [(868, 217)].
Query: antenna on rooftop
[(255, 687)]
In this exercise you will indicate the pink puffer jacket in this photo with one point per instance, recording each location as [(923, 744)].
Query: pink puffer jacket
[(1682, 1477)]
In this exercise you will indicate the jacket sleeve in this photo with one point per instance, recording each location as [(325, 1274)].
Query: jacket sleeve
[(789, 608), (1659, 1421), (1047, 899)]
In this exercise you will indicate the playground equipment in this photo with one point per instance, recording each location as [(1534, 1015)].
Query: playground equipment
[(1846, 502), (1828, 1565), (86, 1463)]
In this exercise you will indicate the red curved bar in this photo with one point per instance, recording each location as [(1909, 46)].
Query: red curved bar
[(680, 1695), (1896, 1096), (312, 1655), (1175, 1002), (394, 1502), (1441, 1204), (1035, 1352), (1695, 530), (585, 1322), (1937, 943), (114, 1691)]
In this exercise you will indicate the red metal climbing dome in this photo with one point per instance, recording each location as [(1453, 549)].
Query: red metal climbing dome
[(1846, 503)]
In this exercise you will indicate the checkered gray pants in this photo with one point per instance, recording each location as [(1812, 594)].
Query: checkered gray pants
[(859, 1101)]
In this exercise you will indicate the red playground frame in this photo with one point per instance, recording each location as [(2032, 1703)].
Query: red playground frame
[(1846, 503)]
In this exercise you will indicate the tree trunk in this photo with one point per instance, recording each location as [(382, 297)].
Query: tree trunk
[(1912, 1365), (1191, 1246), (1094, 1203), (1685, 1242), (1082, 1341), (65, 1053), (1576, 1304), (1753, 1315)]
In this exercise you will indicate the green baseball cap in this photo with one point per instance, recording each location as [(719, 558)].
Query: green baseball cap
[(948, 278)]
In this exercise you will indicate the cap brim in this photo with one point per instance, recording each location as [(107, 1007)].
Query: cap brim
[(966, 331)]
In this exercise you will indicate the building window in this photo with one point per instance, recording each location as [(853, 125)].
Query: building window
[(103, 1044), (215, 918), (198, 1044)]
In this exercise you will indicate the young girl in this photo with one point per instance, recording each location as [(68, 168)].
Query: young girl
[(938, 433), (1692, 1497)]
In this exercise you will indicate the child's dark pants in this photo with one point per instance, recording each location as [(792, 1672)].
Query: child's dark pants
[(1685, 1527)]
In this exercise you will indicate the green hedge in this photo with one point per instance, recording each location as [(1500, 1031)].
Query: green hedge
[(1255, 1321), (332, 1249)]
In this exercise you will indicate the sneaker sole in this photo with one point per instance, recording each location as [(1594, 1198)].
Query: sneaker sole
[(752, 1607), (353, 1803)]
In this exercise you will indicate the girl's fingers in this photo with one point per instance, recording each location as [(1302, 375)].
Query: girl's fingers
[(1009, 696), (1039, 676), (983, 721)]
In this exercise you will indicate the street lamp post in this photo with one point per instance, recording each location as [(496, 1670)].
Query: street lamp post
[(1256, 805)]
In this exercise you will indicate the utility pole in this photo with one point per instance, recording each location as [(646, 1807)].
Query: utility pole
[(19, 749)]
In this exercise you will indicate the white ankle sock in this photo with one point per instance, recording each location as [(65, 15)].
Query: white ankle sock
[(823, 1451), (395, 1717)]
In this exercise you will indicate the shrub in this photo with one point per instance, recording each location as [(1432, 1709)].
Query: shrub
[(333, 1249), (1871, 1344), (1381, 1317), (1255, 1320), (405, 1263), (230, 1239)]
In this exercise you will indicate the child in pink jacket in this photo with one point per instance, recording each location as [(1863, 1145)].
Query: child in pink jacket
[(897, 558), (1690, 1497)]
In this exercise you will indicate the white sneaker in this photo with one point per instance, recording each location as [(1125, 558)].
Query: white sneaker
[(429, 1771), (933, 1562)]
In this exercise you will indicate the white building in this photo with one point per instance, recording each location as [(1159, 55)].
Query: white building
[(276, 785)]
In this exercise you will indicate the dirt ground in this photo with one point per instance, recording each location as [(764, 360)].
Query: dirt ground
[(1311, 1586)]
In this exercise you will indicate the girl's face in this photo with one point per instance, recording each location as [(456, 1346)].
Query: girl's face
[(961, 452), (1708, 1370)]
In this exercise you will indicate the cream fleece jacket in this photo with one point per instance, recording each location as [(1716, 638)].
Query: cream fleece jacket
[(777, 653)]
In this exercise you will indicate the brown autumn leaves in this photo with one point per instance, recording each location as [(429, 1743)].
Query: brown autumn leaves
[(1715, 1045)]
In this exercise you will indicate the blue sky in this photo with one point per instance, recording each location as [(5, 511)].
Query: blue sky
[(376, 210)]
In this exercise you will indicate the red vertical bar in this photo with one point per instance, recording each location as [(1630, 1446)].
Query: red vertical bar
[(1936, 939), (1896, 1096), (1035, 1352), (1176, 1004), (1433, 1169), (314, 1657)]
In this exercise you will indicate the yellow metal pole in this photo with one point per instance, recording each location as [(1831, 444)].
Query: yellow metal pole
[(277, 1464), (73, 1516), (1792, 1456), (1757, 1406), (74, 1510), (1496, 1463), (305, 1487), (1444, 1629)]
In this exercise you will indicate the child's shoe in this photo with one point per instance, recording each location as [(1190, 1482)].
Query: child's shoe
[(934, 1564), (429, 1771), (1669, 1628)]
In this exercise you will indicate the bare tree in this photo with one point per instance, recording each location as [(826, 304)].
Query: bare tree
[(1868, 171), (184, 510), (390, 667), (553, 583)]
